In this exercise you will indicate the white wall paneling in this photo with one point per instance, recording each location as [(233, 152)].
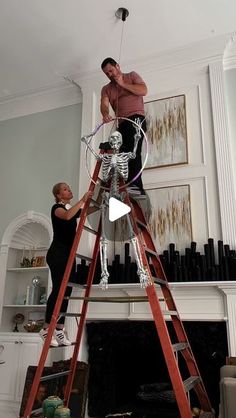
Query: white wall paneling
[(186, 72), (188, 75), (223, 154)]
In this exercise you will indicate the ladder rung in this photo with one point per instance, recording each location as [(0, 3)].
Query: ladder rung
[(62, 346), (190, 382), (110, 299), (95, 203), (179, 346), (139, 223), (36, 411), (149, 251), (83, 257), (71, 284), (92, 231), (165, 312), (54, 375), (158, 281), (166, 309)]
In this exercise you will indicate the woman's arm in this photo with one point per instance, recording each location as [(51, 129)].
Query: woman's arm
[(70, 213)]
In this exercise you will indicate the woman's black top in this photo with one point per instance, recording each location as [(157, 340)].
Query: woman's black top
[(63, 231)]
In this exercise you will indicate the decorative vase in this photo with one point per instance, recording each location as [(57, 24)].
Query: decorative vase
[(49, 406), (62, 412)]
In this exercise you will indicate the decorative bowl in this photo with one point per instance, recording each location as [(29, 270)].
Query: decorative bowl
[(33, 326)]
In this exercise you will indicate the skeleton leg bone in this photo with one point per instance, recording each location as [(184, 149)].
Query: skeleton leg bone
[(142, 273), (103, 246)]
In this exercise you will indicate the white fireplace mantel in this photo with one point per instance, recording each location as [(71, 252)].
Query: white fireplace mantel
[(195, 301)]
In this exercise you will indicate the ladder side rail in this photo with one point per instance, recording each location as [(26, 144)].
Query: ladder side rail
[(138, 211), (52, 326), (168, 352), (56, 311), (191, 364), (82, 320), (181, 335), (145, 237), (187, 353), (149, 241), (164, 287), (169, 300)]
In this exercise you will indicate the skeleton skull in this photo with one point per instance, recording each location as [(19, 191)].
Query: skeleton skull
[(115, 140)]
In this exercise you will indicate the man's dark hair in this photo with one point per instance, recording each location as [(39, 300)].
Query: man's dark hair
[(108, 60)]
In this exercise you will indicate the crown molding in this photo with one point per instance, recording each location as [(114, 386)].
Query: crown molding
[(35, 101), (230, 63), (230, 53), (200, 54)]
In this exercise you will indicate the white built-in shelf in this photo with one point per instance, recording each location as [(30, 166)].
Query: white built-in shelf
[(25, 306), (26, 269)]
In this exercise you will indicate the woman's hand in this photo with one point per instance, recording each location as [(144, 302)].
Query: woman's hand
[(87, 195)]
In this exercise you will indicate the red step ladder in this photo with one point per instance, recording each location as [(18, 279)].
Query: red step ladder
[(171, 349)]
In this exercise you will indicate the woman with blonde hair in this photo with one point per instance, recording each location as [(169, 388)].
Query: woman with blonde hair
[(64, 222)]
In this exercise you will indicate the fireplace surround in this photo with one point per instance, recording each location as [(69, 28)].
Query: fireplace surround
[(210, 303), (128, 372)]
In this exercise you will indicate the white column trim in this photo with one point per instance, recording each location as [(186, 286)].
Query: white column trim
[(223, 154), (230, 309)]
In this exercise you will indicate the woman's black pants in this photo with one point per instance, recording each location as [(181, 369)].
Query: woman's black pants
[(57, 257)]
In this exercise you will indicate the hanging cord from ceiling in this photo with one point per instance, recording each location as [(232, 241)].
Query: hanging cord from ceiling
[(122, 14)]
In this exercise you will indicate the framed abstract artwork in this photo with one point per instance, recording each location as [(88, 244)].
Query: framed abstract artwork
[(166, 132), (170, 216), (167, 211)]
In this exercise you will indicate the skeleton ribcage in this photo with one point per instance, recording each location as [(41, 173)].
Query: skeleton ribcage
[(115, 163)]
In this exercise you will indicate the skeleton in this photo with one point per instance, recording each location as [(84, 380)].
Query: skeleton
[(114, 167)]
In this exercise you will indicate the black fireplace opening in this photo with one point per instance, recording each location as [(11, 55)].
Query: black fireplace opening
[(128, 374)]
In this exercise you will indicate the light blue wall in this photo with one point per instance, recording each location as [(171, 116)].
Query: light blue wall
[(37, 151)]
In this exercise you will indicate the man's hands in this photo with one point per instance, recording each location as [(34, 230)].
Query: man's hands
[(119, 80), (107, 118)]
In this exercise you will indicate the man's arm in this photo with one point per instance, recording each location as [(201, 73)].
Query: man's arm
[(104, 108), (140, 89)]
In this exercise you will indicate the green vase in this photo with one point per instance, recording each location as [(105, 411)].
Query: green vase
[(49, 406), (62, 412)]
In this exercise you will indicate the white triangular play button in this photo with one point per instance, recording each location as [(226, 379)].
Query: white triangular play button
[(117, 209)]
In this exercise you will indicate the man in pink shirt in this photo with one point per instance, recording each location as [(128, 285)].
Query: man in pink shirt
[(125, 94)]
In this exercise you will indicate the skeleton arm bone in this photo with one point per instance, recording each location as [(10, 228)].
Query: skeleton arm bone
[(132, 154), (137, 137), (86, 141)]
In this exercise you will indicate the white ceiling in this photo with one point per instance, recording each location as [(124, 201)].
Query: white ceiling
[(43, 40)]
